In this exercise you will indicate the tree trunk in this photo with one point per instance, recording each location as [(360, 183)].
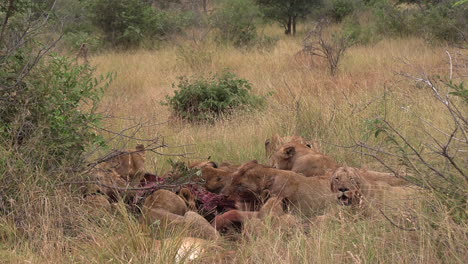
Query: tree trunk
[(288, 26), (205, 8), (294, 20)]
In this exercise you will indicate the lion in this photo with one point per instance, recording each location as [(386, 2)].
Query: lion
[(273, 209), (131, 164), (169, 208), (302, 159), (275, 142), (202, 164), (253, 182), (119, 171), (353, 188), (217, 178)]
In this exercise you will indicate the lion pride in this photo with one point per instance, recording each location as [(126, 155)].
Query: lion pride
[(254, 182)]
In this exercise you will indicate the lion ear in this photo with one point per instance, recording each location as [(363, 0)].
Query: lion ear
[(140, 147), (289, 151), (214, 164), (309, 145), (267, 142)]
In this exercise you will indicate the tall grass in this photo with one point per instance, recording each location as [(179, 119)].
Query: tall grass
[(57, 227)]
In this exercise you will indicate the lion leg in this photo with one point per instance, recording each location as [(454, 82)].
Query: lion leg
[(274, 207), (162, 215), (200, 226), (230, 218)]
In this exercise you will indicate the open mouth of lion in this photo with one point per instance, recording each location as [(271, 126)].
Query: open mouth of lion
[(343, 199)]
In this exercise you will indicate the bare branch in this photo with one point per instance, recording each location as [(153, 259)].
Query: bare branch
[(396, 225)]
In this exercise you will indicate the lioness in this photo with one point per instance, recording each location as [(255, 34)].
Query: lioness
[(253, 182), (273, 207), (301, 159), (354, 189), (128, 164), (217, 178), (170, 209), (275, 142), (122, 169)]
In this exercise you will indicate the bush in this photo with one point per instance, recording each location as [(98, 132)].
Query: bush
[(437, 21), (128, 23), (49, 117), (235, 22), (342, 8), (442, 23), (206, 99), (391, 21), (360, 34)]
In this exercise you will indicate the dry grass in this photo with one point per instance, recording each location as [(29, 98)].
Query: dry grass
[(306, 101)]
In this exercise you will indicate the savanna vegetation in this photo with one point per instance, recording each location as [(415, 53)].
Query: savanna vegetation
[(380, 84)]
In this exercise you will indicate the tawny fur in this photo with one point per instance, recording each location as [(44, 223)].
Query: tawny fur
[(168, 208), (302, 159), (358, 187), (309, 195), (275, 142)]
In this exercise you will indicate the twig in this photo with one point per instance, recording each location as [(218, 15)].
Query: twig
[(394, 224), (159, 186), (451, 65)]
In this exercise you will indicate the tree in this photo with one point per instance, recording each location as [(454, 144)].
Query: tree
[(287, 12)]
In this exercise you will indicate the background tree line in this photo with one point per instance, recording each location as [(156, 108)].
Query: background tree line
[(133, 23)]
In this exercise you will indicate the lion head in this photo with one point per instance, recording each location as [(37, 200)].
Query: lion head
[(282, 159), (215, 179), (275, 142), (247, 183), (349, 185), (202, 164)]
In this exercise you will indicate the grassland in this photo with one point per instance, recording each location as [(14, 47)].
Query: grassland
[(305, 101)]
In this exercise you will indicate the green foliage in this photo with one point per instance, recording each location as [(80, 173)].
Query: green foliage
[(55, 109), (206, 99), (359, 34), (436, 21), (392, 21), (442, 22), (235, 22), (128, 23), (286, 12), (342, 8), (459, 90)]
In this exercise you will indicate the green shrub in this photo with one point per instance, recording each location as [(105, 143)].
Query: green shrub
[(359, 34), (49, 117), (342, 8), (442, 22), (392, 21), (128, 23), (206, 99), (235, 22)]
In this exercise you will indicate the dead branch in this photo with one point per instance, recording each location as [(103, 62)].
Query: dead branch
[(396, 225), (331, 48)]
